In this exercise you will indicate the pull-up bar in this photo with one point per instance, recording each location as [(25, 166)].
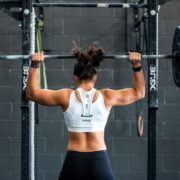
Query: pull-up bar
[(74, 5), (91, 5)]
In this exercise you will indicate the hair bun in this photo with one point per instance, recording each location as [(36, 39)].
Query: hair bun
[(94, 55), (97, 54)]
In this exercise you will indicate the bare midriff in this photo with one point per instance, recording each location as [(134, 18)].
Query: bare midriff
[(86, 141)]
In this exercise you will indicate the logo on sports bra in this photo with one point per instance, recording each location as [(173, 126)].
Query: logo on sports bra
[(86, 115), (86, 120)]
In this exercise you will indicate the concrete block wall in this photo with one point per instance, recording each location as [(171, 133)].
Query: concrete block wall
[(127, 152)]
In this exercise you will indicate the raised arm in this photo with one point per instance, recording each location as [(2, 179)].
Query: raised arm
[(43, 96), (129, 95)]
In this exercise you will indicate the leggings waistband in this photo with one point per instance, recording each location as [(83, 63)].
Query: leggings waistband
[(79, 153)]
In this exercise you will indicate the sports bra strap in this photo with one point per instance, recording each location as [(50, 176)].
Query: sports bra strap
[(86, 98)]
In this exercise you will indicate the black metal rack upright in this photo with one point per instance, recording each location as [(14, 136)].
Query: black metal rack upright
[(152, 89), (25, 156)]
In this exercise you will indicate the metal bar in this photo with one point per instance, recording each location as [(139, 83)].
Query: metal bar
[(32, 129), (152, 88), (91, 5), (25, 156), (108, 56), (74, 5)]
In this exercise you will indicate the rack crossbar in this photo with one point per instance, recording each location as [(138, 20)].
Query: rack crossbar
[(92, 5)]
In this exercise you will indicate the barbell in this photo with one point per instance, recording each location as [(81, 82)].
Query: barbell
[(108, 56), (175, 56)]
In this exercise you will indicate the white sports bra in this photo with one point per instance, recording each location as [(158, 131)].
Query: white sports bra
[(87, 116)]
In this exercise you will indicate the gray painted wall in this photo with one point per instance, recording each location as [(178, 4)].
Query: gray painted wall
[(127, 152)]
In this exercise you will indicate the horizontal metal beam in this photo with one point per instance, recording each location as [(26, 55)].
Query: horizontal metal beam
[(78, 4), (91, 5), (9, 4), (109, 56)]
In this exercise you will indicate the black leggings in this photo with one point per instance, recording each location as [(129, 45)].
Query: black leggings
[(86, 166)]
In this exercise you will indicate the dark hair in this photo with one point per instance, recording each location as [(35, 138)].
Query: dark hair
[(88, 61)]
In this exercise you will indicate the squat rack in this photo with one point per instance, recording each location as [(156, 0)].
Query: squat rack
[(28, 115)]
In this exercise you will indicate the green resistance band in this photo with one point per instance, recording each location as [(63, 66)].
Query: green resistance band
[(42, 73)]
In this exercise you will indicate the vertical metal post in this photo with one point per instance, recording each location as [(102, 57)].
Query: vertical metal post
[(27, 132), (152, 89), (32, 105)]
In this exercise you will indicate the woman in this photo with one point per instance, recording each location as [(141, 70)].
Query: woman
[(86, 111)]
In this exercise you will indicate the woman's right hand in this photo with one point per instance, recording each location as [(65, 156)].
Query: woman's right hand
[(135, 58), (37, 58)]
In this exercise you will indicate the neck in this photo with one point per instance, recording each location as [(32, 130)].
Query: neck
[(86, 86)]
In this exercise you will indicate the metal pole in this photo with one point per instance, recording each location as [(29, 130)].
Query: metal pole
[(108, 56), (152, 89), (26, 9), (91, 5), (75, 5), (32, 106)]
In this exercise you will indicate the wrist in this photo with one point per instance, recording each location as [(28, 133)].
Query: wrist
[(135, 65), (35, 65), (137, 69)]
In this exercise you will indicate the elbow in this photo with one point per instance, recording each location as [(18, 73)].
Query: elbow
[(30, 95), (141, 94)]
